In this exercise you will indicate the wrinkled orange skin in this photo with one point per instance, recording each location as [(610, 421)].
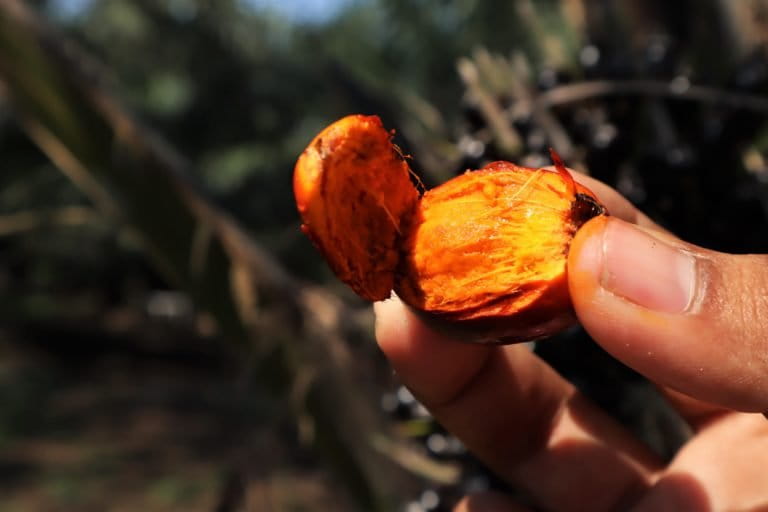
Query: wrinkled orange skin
[(483, 255)]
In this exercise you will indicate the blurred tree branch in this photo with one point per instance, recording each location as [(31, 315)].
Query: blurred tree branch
[(58, 95), (682, 90), (66, 216)]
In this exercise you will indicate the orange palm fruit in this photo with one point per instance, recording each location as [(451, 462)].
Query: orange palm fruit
[(482, 255)]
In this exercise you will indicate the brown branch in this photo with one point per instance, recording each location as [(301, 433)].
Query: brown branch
[(581, 91), (19, 222)]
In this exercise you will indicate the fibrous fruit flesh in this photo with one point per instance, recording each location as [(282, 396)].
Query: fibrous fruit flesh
[(483, 254)]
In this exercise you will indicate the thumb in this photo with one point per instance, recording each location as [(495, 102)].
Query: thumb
[(686, 317)]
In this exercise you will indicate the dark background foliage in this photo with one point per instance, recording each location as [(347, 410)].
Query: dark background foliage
[(118, 390)]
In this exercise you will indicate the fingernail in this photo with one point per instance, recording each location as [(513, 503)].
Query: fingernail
[(645, 270)]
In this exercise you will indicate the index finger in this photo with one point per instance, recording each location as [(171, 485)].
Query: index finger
[(517, 415), (617, 205)]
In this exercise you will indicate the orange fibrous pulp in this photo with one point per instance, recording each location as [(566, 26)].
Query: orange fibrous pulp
[(353, 190), (486, 250)]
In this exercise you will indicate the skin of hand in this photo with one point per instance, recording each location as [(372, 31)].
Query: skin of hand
[(692, 320)]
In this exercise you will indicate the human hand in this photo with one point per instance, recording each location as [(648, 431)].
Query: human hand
[(692, 320)]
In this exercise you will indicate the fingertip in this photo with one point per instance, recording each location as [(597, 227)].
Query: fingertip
[(401, 335), (431, 364), (396, 329), (618, 206), (389, 317), (488, 502)]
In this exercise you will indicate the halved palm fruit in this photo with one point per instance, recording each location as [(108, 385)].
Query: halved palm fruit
[(483, 254)]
